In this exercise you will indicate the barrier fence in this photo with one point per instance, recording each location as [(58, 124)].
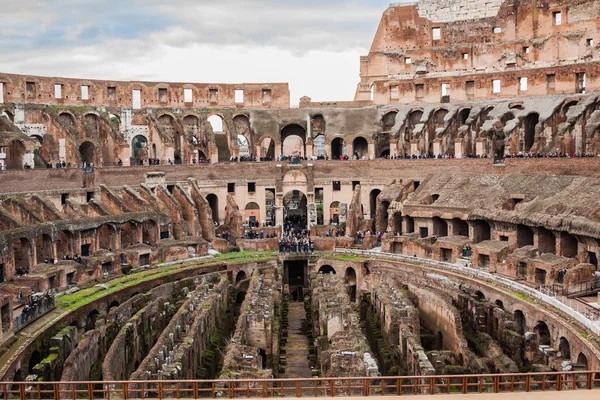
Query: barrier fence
[(313, 387)]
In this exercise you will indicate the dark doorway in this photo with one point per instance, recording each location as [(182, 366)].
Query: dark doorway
[(213, 202), (85, 250), (263, 356), (295, 275), (530, 122)]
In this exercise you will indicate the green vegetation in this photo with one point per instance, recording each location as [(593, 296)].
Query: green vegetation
[(523, 297), (585, 335)]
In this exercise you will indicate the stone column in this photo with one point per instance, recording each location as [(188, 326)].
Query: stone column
[(393, 149), (458, 149)]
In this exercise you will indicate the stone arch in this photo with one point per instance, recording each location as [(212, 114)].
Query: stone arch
[(373, 202), (23, 254), (409, 223), (129, 234), (582, 361), (293, 141), (546, 241), (139, 149), (338, 148), (43, 247), (520, 322), (389, 120), (334, 212), (479, 295), (440, 227), (150, 232), (531, 122), (543, 332), (460, 227), (360, 147), (91, 125), (191, 125), (267, 149), (213, 202), (318, 125), (64, 244), (516, 105), (7, 115), (568, 104), (90, 320), (524, 236), (241, 276), (67, 119), (383, 216), (295, 208), (35, 359), (115, 121), (508, 116), (564, 347), (319, 146), (107, 234), (327, 269), (568, 245), (500, 304), (221, 137), (463, 115), (252, 211), (351, 282), (481, 231), (295, 178), (244, 134), (87, 152)]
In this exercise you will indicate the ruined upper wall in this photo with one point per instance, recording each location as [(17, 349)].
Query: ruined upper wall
[(42, 90), (465, 45)]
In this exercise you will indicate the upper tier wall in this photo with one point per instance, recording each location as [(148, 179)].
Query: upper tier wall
[(44, 90)]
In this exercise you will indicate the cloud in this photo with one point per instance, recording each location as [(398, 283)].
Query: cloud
[(314, 45)]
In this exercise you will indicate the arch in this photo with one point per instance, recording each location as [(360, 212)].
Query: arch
[(293, 141), (116, 121), (128, 234), (582, 361), (373, 202), (43, 247), (319, 146), (439, 341), (64, 244), (438, 117), (568, 245), (295, 209), (213, 202), (318, 125), (361, 148), (463, 116), (244, 146), (440, 227), (524, 236), (383, 222), (507, 117), (334, 212), (86, 152), (107, 234), (397, 217), (543, 332), (269, 204), (241, 276), (221, 138), (7, 115), (531, 122), (516, 105), (113, 304), (389, 120), (267, 149), (351, 282), (338, 148), (568, 104), (415, 117), (245, 138), (409, 223), (295, 177), (34, 360), (22, 252), (139, 149), (500, 304), (479, 295), (217, 123), (520, 322), (481, 231), (15, 154), (66, 119), (252, 211), (91, 124), (90, 321), (327, 269), (150, 232), (546, 241), (460, 227), (564, 347)]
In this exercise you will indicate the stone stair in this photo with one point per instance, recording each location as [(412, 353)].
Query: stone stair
[(296, 346)]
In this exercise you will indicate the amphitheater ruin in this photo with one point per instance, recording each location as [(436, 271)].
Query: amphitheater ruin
[(438, 234)]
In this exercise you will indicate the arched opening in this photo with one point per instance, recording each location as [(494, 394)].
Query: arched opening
[(269, 207), (128, 235), (568, 245), (397, 223), (564, 347), (220, 136), (530, 123), (15, 154), (520, 322), (245, 139), (373, 202), (267, 149), (107, 234), (361, 148), (295, 210), (481, 231), (500, 304), (546, 241), (327, 270), (139, 150), (241, 276), (440, 227), (7, 115), (244, 147), (43, 246), (524, 236), (91, 125), (86, 152), (507, 117), (409, 223), (113, 304), (213, 202), (479, 295), (319, 146), (239, 299), (64, 244), (334, 212), (463, 115), (350, 280), (318, 124), (150, 233), (383, 222), (460, 227), (389, 120), (252, 213), (338, 148), (22, 255), (582, 361), (293, 141), (90, 321), (541, 329), (115, 121), (67, 120), (263, 357), (34, 360), (191, 124)]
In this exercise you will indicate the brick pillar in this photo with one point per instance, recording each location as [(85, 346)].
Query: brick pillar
[(458, 149)]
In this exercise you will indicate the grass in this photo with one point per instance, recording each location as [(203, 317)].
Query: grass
[(585, 335), (523, 297), (86, 296)]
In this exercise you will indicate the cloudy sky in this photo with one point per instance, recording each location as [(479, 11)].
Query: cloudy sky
[(312, 44)]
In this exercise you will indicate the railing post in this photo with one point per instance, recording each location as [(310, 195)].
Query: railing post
[(464, 385), (125, 391), (365, 387), (56, 389), (590, 381), (558, 382), (22, 391), (331, 388), (527, 383), (90, 391)]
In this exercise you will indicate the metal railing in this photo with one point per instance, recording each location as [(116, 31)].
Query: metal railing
[(311, 387), (35, 311)]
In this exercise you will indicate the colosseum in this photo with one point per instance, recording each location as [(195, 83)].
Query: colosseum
[(438, 234)]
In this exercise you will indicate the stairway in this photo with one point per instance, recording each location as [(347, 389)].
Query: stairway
[(296, 348)]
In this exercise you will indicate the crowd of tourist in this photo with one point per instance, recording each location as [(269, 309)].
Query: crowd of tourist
[(34, 307), (258, 235)]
